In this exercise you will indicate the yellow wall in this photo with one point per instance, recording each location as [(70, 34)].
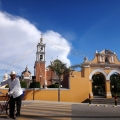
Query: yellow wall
[(78, 92)]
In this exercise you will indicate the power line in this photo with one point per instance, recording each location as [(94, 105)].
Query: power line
[(74, 52)]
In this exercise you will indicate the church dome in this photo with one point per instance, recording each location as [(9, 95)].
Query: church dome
[(5, 76)]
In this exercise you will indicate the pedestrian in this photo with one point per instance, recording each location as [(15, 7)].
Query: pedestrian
[(15, 93)]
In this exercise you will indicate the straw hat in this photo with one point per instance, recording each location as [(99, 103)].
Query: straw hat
[(12, 73)]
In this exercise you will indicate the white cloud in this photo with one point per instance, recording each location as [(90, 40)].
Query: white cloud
[(18, 36), (57, 47)]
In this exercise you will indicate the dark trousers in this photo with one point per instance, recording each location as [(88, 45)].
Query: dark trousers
[(14, 101)]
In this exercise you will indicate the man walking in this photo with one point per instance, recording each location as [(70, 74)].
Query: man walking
[(15, 93)]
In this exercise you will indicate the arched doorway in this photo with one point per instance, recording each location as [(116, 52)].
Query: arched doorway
[(98, 85), (115, 84)]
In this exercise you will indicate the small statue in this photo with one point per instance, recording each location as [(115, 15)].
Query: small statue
[(41, 39), (85, 59)]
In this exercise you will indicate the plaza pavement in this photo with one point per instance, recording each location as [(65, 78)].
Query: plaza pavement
[(46, 110)]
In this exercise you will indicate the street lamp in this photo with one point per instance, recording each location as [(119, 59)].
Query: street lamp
[(95, 86), (112, 86)]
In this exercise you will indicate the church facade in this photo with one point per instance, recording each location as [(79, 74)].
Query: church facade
[(43, 74), (105, 63)]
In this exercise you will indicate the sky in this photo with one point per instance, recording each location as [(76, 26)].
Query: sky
[(72, 29)]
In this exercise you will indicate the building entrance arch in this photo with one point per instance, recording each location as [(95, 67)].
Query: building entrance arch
[(98, 78), (115, 83), (97, 71), (98, 85)]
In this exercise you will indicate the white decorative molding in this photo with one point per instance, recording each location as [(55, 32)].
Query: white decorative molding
[(112, 72), (107, 67), (103, 58), (86, 66), (45, 83), (108, 94), (112, 59), (91, 94), (97, 70), (100, 58), (26, 78)]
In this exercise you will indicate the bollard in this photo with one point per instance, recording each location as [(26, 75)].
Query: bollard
[(115, 100), (89, 98), (105, 105)]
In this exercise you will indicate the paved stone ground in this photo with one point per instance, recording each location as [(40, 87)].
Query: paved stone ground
[(94, 112), (43, 110)]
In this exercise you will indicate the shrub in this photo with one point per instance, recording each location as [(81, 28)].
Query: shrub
[(23, 84), (53, 86), (34, 85), (6, 86)]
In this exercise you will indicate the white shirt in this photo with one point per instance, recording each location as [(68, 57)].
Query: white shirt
[(15, 87)]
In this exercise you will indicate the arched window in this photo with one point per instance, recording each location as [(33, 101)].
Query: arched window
[(106, 59)]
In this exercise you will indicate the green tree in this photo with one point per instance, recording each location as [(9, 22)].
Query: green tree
[(23, 84), (34, 85), (60, 69)]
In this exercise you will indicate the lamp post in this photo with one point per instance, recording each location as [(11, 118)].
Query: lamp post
[(33, 78), (33, 89)]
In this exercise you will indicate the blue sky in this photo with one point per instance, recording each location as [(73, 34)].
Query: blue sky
[(86, 26)]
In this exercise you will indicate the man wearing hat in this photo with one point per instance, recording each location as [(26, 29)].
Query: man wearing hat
[(15, 93)]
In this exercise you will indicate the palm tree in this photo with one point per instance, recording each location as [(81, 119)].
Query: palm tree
[(60, 69)]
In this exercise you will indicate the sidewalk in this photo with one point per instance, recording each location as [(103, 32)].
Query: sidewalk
[(44, 110), (50, 110)]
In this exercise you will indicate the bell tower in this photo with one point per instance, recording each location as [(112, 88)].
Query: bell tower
[(39, 68)]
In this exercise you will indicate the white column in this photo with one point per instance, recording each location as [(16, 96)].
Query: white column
[(100, 58), (45, 81)]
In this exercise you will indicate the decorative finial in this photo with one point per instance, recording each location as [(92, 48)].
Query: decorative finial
[(26, 69), (96, 51), (85, 59), (41, 39), (105, 51)]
